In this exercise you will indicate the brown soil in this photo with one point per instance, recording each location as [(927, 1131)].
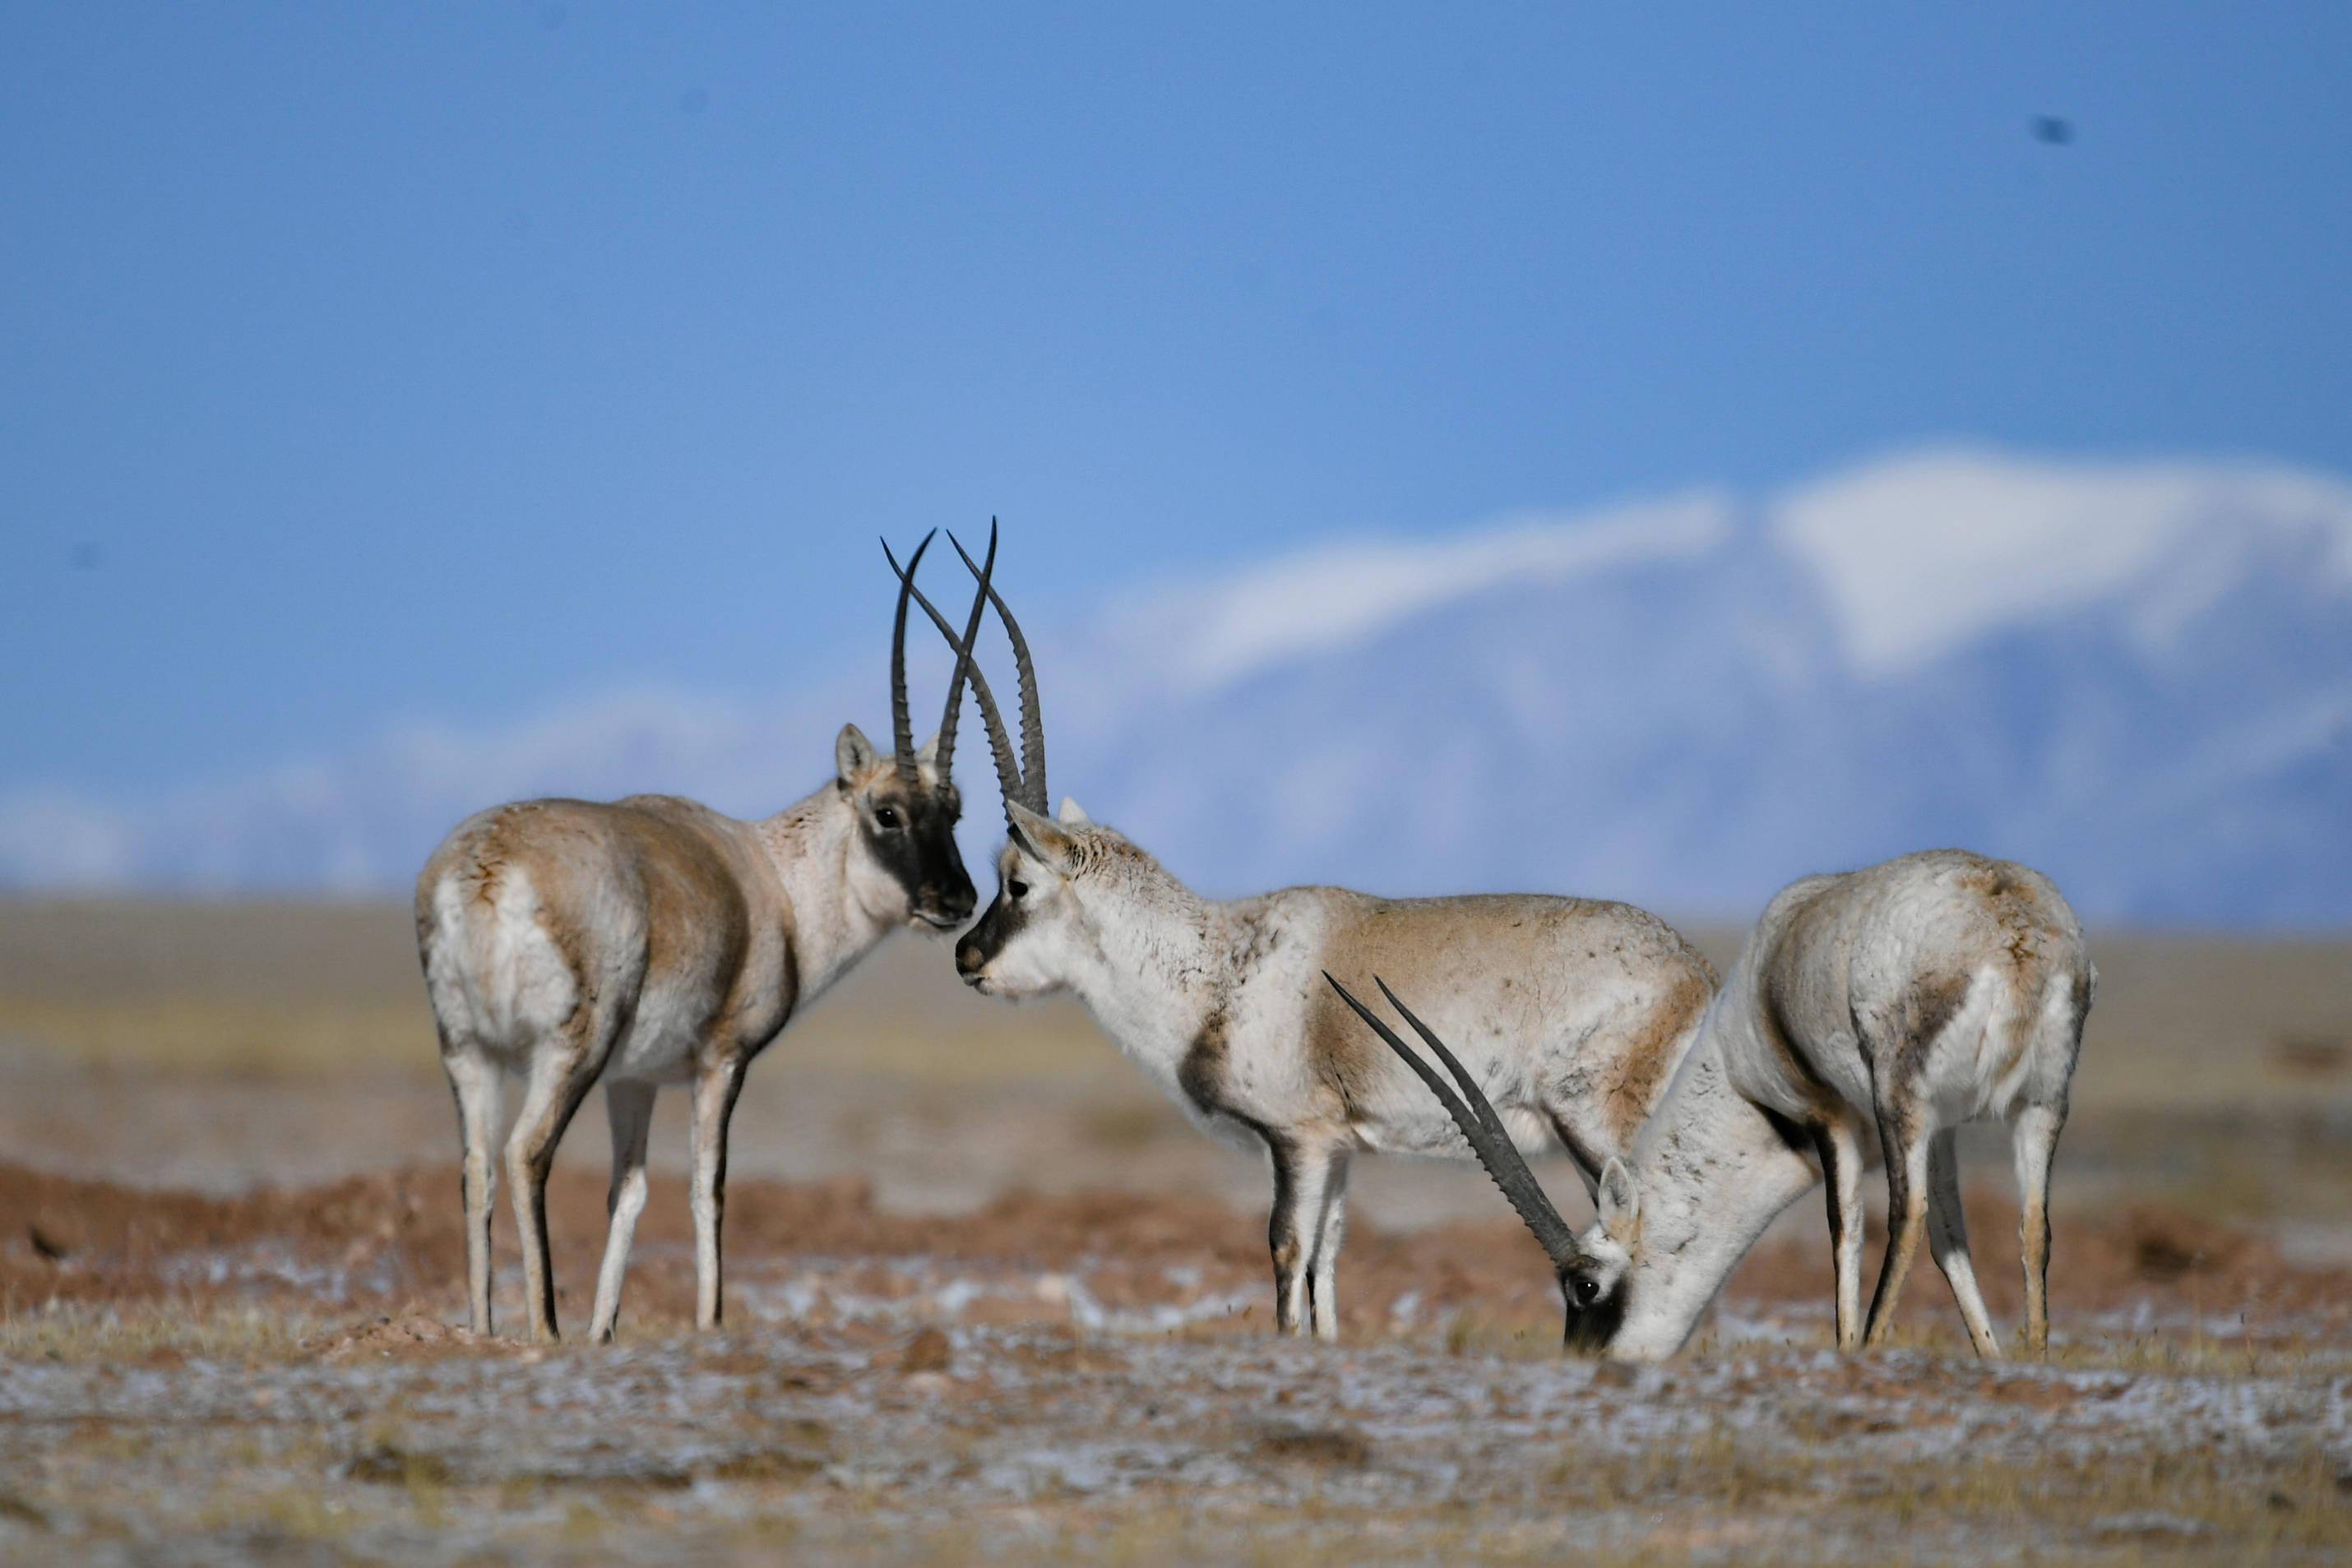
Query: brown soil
[(2148, 1252), (277, 1377), (392, 1243)]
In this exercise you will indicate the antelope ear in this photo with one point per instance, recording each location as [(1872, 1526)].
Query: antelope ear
[(1073, 814), (928, 754), (853, 754), (1046, 841), (1620, 1204)]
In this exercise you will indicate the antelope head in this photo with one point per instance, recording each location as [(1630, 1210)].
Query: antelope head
[(1041, 927), (1591, 1268), (903, 854), (1026, 942)]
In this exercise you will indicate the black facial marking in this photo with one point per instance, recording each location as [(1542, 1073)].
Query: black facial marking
[(1001, 923), (1594, 1315), (920, 851)]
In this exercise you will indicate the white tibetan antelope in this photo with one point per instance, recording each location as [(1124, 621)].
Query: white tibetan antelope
[(1575, 1011), (1905, 1000), (654, 941)]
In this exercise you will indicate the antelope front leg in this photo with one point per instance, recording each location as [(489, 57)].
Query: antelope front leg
[(714, 1104), (1839, 1144), (1323, 1268), (1301, 1178)]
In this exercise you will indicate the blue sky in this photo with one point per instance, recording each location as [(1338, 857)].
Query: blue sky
[(363, 364)]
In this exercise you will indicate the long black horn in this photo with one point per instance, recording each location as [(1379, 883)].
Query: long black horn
[(1489, 1141), (944, 760), (1008, 771), (1479, 1104), (902, 723), (1033, 720)]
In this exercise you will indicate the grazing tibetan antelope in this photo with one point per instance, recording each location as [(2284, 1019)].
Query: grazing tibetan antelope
[(1574, 1011), (1905, 999), (654, 941)]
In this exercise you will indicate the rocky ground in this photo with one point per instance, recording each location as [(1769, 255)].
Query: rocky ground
[(275, 1377), (991, 1298)]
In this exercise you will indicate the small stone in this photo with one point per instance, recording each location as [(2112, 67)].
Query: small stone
[(1337, 1445), (929, 1351)]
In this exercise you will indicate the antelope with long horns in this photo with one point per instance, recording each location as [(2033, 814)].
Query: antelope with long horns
[(1575, 1011), (1902, 1001), (655, 941)]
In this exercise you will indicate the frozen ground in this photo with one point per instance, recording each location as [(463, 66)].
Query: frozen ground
[(273, 1378), (990, 1299)]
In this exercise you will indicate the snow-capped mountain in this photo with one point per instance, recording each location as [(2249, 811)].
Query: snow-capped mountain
[(2137, 676)]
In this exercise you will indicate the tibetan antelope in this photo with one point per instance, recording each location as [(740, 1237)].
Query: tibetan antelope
[(1575, 1011), (654, 941), (1902, 1001)]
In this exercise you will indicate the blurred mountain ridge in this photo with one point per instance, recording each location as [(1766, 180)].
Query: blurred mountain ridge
[(2136, 675)]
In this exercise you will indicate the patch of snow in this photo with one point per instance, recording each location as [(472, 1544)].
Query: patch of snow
[(1920, 554), (1341, 594)]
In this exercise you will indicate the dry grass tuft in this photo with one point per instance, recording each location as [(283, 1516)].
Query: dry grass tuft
[(152, 1333)]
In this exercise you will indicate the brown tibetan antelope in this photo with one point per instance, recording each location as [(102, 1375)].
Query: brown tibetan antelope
[(654, 941), (1905, 1000), (1574, 1011)]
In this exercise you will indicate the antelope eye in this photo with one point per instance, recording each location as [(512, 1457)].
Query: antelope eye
[(886, 816), (1586, 1289), (1016, 889)]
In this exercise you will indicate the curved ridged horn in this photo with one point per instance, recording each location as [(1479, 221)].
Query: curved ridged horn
[(1008, 769), (1488, 1140), (902, 723), (1033, 721), (944, 760)]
